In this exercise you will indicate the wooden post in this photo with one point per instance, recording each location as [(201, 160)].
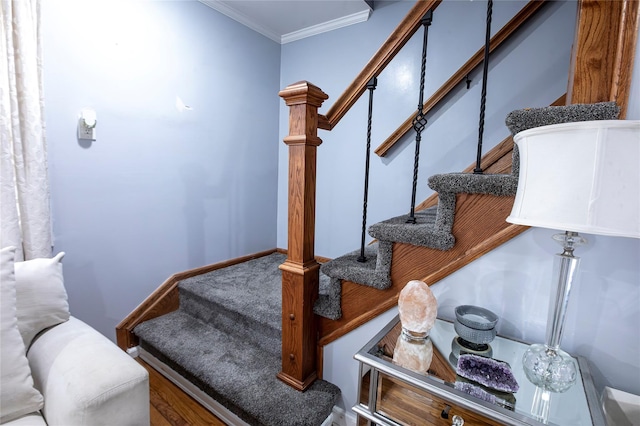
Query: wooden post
[(603, 52), (300, 271)]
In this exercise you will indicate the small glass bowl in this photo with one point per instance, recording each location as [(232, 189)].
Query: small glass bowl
[(476, 317)]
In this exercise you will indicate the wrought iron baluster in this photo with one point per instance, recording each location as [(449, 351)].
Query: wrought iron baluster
[(420, 120), (483, 96), (371, 85)]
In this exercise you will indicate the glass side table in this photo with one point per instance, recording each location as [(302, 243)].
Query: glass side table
[(392, 395)]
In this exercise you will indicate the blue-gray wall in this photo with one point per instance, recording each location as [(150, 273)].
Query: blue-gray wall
[(161, 190)]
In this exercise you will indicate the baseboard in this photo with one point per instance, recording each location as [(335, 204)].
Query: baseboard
[(340, 417), (328, 421)]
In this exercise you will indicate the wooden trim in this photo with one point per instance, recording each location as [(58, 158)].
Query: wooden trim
[(319, 259), (165, 299), (625, 55), (379, 61), (604, 49), (320, 360), (162, 301), (505, 32), (323, 122)]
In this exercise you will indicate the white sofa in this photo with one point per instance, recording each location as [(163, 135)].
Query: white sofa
[(57, 370)]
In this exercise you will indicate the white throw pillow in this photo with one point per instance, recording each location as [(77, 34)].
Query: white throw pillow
[(41, 297), (17, 394)]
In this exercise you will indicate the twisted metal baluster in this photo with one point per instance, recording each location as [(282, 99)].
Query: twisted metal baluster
[(483, 96), (371, 85), (420, 120)]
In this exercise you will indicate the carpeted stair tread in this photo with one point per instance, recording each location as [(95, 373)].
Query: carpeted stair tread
[(528, 118), (252, 289), (234, 372), (373, 272), (425, 232), (242, 326), (328, 304), (492, 184)]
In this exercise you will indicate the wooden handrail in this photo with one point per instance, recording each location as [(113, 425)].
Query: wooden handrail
[(377, 63), (516, 22)]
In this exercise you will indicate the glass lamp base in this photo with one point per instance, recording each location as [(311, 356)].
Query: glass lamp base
[(549, 368)]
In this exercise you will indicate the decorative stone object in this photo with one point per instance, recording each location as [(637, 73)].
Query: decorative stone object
[(418, 309), (413, 354), (488, 372)]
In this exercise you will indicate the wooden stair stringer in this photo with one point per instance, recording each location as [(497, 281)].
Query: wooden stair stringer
[(479, 227)]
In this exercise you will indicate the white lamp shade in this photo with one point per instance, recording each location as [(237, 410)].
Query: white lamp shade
[(581, 177)]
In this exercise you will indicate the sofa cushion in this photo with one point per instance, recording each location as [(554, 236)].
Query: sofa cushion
[(17, 394), (41, 296), (87, 380)]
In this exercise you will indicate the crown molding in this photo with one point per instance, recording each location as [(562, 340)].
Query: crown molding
[(334, 24)]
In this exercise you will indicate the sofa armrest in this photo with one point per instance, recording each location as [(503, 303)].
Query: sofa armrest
[(86, 379)]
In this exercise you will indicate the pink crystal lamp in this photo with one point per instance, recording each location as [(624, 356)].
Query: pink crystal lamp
[(574, 177), (417, 309)]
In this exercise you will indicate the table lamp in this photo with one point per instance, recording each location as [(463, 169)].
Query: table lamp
[(574, 177)]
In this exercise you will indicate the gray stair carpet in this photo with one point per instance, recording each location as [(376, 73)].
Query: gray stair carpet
[(528, 118), (433, 225), (226, 339), (432, 228), (374, 272)]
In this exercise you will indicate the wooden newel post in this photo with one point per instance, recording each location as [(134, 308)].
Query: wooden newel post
[(300, 271), (603, 52)]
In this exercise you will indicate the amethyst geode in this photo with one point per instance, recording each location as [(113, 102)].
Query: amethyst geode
[(475, 391), (489, 372)]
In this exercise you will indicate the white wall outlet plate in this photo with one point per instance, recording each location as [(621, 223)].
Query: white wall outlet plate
[(86, 133)]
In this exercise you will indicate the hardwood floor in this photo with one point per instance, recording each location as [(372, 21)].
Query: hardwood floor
[(170, 406)]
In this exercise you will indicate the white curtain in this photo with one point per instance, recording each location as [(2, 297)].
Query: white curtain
[(24, 183)]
